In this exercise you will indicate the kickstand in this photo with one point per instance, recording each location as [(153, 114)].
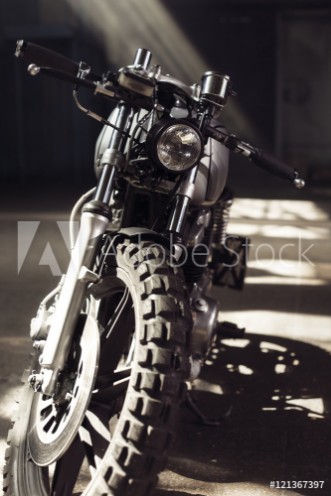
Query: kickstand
[(192, 405)]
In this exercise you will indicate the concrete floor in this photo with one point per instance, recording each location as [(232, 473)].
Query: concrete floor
[(273, 386)]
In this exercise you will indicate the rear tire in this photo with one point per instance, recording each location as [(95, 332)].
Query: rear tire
[(142, 310)]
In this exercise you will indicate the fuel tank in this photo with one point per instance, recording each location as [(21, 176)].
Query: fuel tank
[(212, 174)]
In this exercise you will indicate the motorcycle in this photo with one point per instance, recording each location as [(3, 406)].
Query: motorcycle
[(127, 328)]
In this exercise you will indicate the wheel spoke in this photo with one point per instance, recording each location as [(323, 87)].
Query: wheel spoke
[(110, 380), (117, 340), (130, 354), (109, 388), (98, 425), (124, 304)]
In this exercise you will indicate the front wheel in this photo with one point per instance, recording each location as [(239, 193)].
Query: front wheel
[(117, 443)]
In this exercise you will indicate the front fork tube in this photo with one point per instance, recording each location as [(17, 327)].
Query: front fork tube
[(182, 202), (71, 299), (94, 222)]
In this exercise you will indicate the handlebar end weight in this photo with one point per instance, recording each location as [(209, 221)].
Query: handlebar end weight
[(299, 183)]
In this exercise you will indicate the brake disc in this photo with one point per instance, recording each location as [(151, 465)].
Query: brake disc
[(53, 424)]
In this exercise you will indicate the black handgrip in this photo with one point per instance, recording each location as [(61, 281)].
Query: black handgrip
[(272, 164), (259, 157), (43, 57)]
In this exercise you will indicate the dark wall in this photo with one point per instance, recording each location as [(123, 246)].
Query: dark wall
[(44, 137)]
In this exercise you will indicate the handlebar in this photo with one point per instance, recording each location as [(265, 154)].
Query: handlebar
[(54, 64), (45, 61), (42, 59), (259, 157)]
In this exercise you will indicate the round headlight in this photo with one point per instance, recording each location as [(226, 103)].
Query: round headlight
[(175, 145)]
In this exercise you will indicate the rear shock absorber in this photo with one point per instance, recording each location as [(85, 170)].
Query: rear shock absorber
[(229, 252), (220, 219)]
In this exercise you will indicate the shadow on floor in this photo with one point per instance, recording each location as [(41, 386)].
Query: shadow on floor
[(278, 427)]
